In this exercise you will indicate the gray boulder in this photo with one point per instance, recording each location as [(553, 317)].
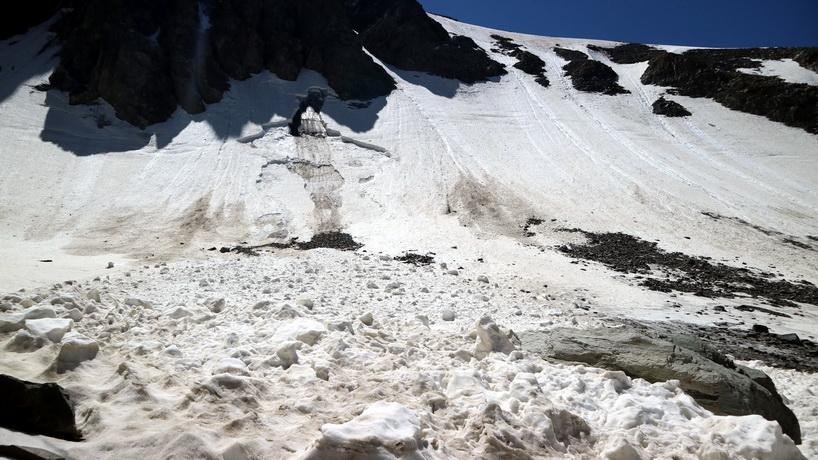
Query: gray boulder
[(711, 378)]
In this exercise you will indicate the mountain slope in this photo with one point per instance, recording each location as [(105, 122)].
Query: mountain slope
[(436, 166)]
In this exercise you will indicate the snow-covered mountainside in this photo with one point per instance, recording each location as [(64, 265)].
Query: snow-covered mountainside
[(221, 333)]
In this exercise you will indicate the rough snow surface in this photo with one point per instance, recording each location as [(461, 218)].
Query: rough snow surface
[(363, 370)]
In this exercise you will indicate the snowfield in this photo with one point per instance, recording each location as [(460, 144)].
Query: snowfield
[(178, 351)]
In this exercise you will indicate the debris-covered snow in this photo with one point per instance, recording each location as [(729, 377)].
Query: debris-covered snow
[(297, 362)]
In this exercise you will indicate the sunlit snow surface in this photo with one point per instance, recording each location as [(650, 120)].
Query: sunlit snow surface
[(454, 170)]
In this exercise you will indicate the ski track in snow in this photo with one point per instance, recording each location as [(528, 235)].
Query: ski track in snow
[(181, 373)]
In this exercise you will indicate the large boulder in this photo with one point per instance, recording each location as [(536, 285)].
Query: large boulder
[(594, 77), (712, 379), (37, 408), (669, 108)]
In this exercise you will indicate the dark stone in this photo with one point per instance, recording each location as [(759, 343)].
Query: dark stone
[(331, 240), (527, 61), (791, 338), (415, 259), (570, 55), (668, 108), (761, 329), (594, 77), (400, 33), (506, 45), (629, 53), (709, 377), (37, 408), (713, 74), (21, 16), (530, 63)]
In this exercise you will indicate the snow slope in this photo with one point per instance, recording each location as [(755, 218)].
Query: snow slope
[(437, 166)]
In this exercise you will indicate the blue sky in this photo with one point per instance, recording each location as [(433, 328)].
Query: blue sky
[(719, 23)]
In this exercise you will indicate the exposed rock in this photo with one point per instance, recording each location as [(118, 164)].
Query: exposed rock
[(710, 378), (147, 59), (400, 33), (37, 408), (569, 54), (668, 108), (594, 77), (713, 74), (629, 53), (447, 315)]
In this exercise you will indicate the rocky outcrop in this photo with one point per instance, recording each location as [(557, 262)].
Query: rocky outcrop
[(400, 33), (146, 59), (570, 55), (589, 75), (37, 408), (668, 108), (705, 374), (713, 74), (629, 53), (527, 61), (594, 77)]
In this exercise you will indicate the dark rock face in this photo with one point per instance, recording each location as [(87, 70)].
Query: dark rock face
[(709, 377), (36, 408), (527, 61), (589, 75), (668, 108), (594, 77), (570, 55), (713, 74), (144, 58), (629, 53), (21, 16), (400, 33)]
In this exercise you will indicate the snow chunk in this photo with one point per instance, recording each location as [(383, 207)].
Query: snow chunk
[(11, 322), (231, 366), (383, 430), (51, 328), (490, 339), (305, 330), (75, 350)]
